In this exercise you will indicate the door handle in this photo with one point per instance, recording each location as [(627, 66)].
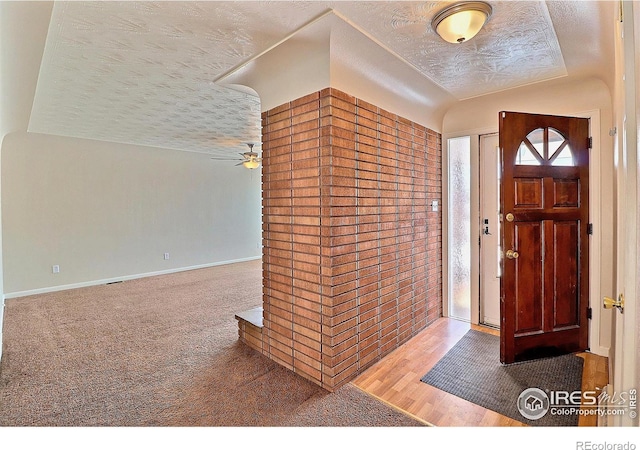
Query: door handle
[(512, 254), (610, 303)]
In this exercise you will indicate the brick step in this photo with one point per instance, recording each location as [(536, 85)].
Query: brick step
[(250, 327)]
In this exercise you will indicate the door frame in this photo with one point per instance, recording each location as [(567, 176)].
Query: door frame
[(493, 226), (595, 182), (623, 372)]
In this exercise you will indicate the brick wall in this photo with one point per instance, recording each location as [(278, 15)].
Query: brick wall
[(352, 251)]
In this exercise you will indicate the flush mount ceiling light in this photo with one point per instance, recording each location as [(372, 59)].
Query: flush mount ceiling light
[(461, 21)]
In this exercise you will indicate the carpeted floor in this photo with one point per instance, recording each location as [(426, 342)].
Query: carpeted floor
[(160, 351)]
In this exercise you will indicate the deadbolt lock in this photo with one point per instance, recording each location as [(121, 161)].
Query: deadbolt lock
[(512, 254), (510, 217), (610, 303)]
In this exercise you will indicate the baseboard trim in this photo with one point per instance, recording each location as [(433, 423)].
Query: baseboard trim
[(65, 287), (600, 351)]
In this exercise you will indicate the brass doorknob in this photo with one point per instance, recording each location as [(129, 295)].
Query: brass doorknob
[(512, 254), (610, 303)]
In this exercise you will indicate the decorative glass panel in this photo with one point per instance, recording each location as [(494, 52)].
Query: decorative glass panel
[(460, 228), (544, 146), (531, 151), (536, 138), (526, 157), (555, 141), (559, 150), (565, 158)]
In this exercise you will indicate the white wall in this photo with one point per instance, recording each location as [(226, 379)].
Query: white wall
[(296, 67), (23, 29), (104, 211), (333, 52), (560, 97)]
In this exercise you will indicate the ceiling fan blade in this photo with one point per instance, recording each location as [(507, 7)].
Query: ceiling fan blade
[(239, 164), (227, 159)]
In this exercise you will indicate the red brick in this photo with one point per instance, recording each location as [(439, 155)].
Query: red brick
[(358, 225)]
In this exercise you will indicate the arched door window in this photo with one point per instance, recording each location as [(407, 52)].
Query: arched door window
[(544, 146)]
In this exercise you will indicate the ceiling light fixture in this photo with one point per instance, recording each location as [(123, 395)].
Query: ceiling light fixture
[(461, 21), (251, 164)]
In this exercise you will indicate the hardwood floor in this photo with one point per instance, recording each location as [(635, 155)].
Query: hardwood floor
[(396, 380)]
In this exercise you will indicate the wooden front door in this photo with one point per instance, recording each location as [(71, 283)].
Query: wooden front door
[(545, 217)]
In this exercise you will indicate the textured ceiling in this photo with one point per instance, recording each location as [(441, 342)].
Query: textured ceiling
[(517, 46), (143, 72)]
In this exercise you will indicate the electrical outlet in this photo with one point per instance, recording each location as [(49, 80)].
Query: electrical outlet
[(55, 269), (166, 256)]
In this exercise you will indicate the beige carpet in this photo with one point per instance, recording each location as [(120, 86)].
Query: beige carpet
[(159, 351)]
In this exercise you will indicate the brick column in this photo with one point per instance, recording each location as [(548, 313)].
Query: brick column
[(352, 251)]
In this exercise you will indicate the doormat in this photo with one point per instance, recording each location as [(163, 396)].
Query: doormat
[(472, 370)]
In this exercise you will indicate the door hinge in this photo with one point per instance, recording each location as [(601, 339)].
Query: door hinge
[(589, 313), (590, 142), (590, 228)]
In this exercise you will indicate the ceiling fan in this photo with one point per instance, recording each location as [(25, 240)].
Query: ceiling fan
[(249, 159)]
